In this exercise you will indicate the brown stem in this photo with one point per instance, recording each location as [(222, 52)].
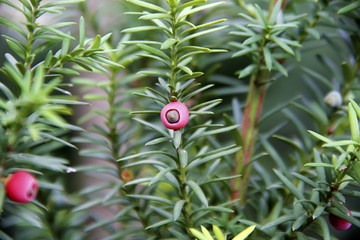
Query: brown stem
[(252, 114), (251, 117)]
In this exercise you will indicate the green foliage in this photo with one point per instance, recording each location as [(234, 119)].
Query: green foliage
[(263, 40), (329, 180), (176, 81), (34, 101), (272, 139), (105, 141)]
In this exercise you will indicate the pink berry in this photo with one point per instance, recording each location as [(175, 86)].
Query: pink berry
[(174, 115), (339, 223), (21, 187)]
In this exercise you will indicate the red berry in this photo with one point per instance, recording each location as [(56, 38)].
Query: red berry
[(174, 115), (339, 223), (21, 187)]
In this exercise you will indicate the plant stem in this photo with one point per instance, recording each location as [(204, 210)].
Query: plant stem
[(113, 132), (182, 176), (251, 117), (184, 196), (113, 137), (328, 199), (30, 39)]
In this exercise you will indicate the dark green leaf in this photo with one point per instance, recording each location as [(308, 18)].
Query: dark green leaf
[(299, 221), (253, 39), (96, 42), (42, 162), (354, 124), (197, 34), (213, 209), (87, 205), (341, 143), (318, 211), (324, 139), (188, 11), (168, 43), (159, 224), (289, 185), (154, 51), (221, 179), (325, 165), (190, 4), (274, 155), (183, 157), (138, 181), (48, 136), (156, 141), (177, 138), (356, 107), (356, 173), (350, 193), (160, 175), (243, 52), (198, 192), (188, 76), (178, 208), (4, 236), (13, 26), (193, 93), (324, 228), (2, 197), (260, 15), (248, 70), (282, 44), (144, 154), (268, 58), (57, 32), (16, 48), (151, 198), (81, 32), (62, 2), (140, 29), (146, 162), (154, 127), (280, 68), (350, 7), (278, 221), (275, 12), (305, 180), (213, 132), (66, 71), (150, 16), (213, 155), (147, 5), (317, 76)]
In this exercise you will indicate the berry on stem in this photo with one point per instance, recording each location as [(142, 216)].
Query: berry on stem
[(174, 115), (21, 187), (339, 223)]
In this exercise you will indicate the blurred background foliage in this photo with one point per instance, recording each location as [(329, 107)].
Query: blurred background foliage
[(92, 204)]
